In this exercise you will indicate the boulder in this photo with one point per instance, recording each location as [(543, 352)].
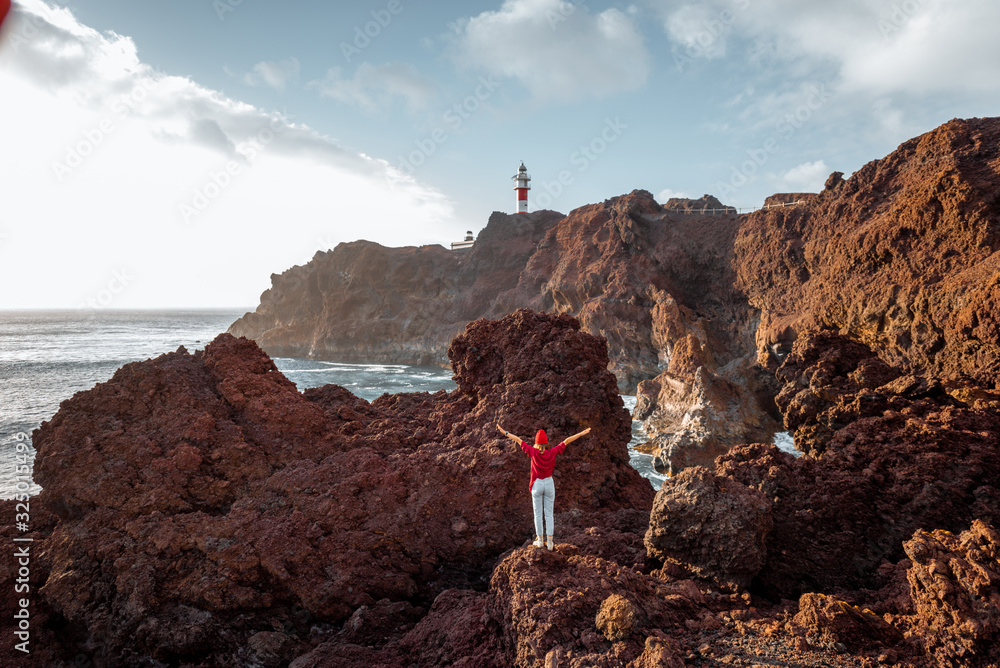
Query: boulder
[(571, 605), (713, 525), (829, 620), (955, 586)]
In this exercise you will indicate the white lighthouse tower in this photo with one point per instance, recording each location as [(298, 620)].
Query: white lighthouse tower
[(521, 181)]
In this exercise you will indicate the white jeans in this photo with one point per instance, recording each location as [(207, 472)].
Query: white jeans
[(543, 497)]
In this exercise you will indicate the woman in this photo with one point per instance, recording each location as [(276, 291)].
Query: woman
[(543, 494)]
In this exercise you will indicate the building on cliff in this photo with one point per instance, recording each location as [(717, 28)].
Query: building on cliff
[(464, 245)]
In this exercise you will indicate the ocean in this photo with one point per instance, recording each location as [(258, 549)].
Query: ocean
[(48, 356)]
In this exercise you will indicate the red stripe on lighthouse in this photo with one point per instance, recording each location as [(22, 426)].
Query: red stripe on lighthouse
[(522, 194)]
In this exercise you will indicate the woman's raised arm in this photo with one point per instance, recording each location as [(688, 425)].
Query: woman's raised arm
[(576, 436), (516, 439)]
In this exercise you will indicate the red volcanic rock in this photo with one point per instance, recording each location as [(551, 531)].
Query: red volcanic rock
[(712, 525), (825, 376), (617, 618), (629, 261), (891, 463), (457, 631), (833, 621), (548, 606), (955, 585), (902, 256), (704, 203), (24, 568), (201, 499), (530, 371), (787, 199)]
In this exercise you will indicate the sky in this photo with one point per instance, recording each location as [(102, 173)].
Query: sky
[(176, 154)]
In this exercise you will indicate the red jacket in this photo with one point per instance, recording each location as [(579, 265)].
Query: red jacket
[(542, 463)]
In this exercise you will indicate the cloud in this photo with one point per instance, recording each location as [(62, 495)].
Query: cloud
[(110, 165), (667, 194), (557, 49), (374, 88), (275, 75), (699, 30), (49, 45), (807, 177), (920, 47), (937, 47)]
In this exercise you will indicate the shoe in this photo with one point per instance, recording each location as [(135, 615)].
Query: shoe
[(551, 545), (539, 542)]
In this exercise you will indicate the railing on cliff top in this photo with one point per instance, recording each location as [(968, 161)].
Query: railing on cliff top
[(732, 210)]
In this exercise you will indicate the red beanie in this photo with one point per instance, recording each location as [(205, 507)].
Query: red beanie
[(541, 438)]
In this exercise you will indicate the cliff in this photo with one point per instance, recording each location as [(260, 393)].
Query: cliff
[(658, 285), (612, 265), (367, 303), (902, 256)]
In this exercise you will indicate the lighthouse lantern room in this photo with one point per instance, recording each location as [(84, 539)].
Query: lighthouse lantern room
[(521, 181)]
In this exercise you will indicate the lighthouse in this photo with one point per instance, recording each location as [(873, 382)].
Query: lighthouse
[(521, 181)]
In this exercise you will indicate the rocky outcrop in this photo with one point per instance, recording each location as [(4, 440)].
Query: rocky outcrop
[(896, 458), (889, 453), (955, 586), (902, 257), (694, 414), (202, 501), (833, 621), (561, 607), (712, 525), (787, 199), (704, 204)]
